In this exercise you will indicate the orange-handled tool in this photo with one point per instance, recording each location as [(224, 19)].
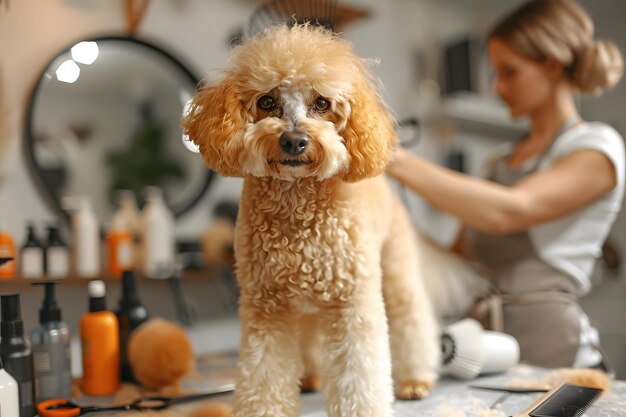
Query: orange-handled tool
[(65, 408)]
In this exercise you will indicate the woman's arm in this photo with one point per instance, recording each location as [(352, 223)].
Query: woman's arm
[(571, 183)]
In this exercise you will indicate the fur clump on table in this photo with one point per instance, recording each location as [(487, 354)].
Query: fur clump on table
[(592, 378), (161, 355)]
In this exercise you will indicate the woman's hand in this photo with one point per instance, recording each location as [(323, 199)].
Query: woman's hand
[(398, 163)]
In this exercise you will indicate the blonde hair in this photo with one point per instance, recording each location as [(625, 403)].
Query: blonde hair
[(563, 31)]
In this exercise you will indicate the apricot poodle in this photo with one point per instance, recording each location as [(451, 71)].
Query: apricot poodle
[(325, 254)]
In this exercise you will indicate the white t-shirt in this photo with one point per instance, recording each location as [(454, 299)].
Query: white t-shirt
[(574, 243)]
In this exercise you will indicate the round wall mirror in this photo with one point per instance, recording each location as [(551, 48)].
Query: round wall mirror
[(105, 115)]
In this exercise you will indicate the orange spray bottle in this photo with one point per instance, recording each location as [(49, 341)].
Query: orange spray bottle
[(7, 253), (100, 345)]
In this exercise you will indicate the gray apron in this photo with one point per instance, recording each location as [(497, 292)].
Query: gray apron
[(532, 301)]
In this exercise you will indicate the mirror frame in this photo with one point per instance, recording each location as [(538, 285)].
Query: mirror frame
[(46, 192)]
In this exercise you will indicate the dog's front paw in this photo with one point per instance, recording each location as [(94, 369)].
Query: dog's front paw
[(310, 383), (413, 390)]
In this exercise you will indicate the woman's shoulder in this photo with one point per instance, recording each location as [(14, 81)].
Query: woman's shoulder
[(602, 129), (594, 135)]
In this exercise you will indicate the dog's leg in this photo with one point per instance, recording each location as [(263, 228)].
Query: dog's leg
[(413, 329), (310, 346), (269, 363), (356, 369)]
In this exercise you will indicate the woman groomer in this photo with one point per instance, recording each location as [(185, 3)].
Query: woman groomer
[(537, 223)]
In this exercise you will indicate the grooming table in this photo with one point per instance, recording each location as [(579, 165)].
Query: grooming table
[(448, 392)]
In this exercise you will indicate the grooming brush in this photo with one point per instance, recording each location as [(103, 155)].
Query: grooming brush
[(565, 400), (462, 348)]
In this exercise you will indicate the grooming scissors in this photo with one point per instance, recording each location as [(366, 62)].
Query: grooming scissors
[(65, 408)]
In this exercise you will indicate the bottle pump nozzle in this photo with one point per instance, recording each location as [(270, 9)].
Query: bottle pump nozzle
[(49, 310)]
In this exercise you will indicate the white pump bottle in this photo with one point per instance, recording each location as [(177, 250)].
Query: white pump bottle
[(85, 237), (157, 236)]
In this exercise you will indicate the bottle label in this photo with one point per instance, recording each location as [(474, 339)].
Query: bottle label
[(26, 394), (9, 267), (125, 254), (51, 365), (58, 262), (32, 263)]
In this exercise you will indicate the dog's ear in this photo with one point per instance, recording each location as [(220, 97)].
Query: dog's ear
[(369, 134), (216, 123)]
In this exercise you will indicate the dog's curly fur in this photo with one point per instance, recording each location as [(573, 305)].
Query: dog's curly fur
[(323, 246)]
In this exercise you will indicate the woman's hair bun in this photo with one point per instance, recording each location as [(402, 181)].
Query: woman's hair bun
[(597, 67)]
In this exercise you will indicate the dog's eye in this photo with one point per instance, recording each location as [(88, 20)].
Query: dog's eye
[(321, 104), (266, 103)]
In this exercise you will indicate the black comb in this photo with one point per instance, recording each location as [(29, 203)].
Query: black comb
[(567, 400)]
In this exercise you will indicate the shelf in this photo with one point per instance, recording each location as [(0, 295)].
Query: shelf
[(193, 275)]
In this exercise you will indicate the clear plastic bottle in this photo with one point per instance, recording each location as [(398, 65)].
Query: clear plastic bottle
[(50, 342)]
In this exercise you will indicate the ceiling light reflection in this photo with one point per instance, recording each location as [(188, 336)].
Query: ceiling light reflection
[(85, 52), (68, 72)]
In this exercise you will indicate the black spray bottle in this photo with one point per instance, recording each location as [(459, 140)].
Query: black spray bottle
[(15, 351), (130, 315), (51, 349)]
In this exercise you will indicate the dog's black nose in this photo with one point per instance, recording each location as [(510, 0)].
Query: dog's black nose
[(293, 142)]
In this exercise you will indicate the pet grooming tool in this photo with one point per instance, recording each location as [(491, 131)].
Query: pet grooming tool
[(565, 400), (469, 350), (64, 408)]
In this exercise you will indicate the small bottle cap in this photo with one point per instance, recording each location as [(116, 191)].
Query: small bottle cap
[(130, 295), (97, 289), (31, 237), (53, 234)]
